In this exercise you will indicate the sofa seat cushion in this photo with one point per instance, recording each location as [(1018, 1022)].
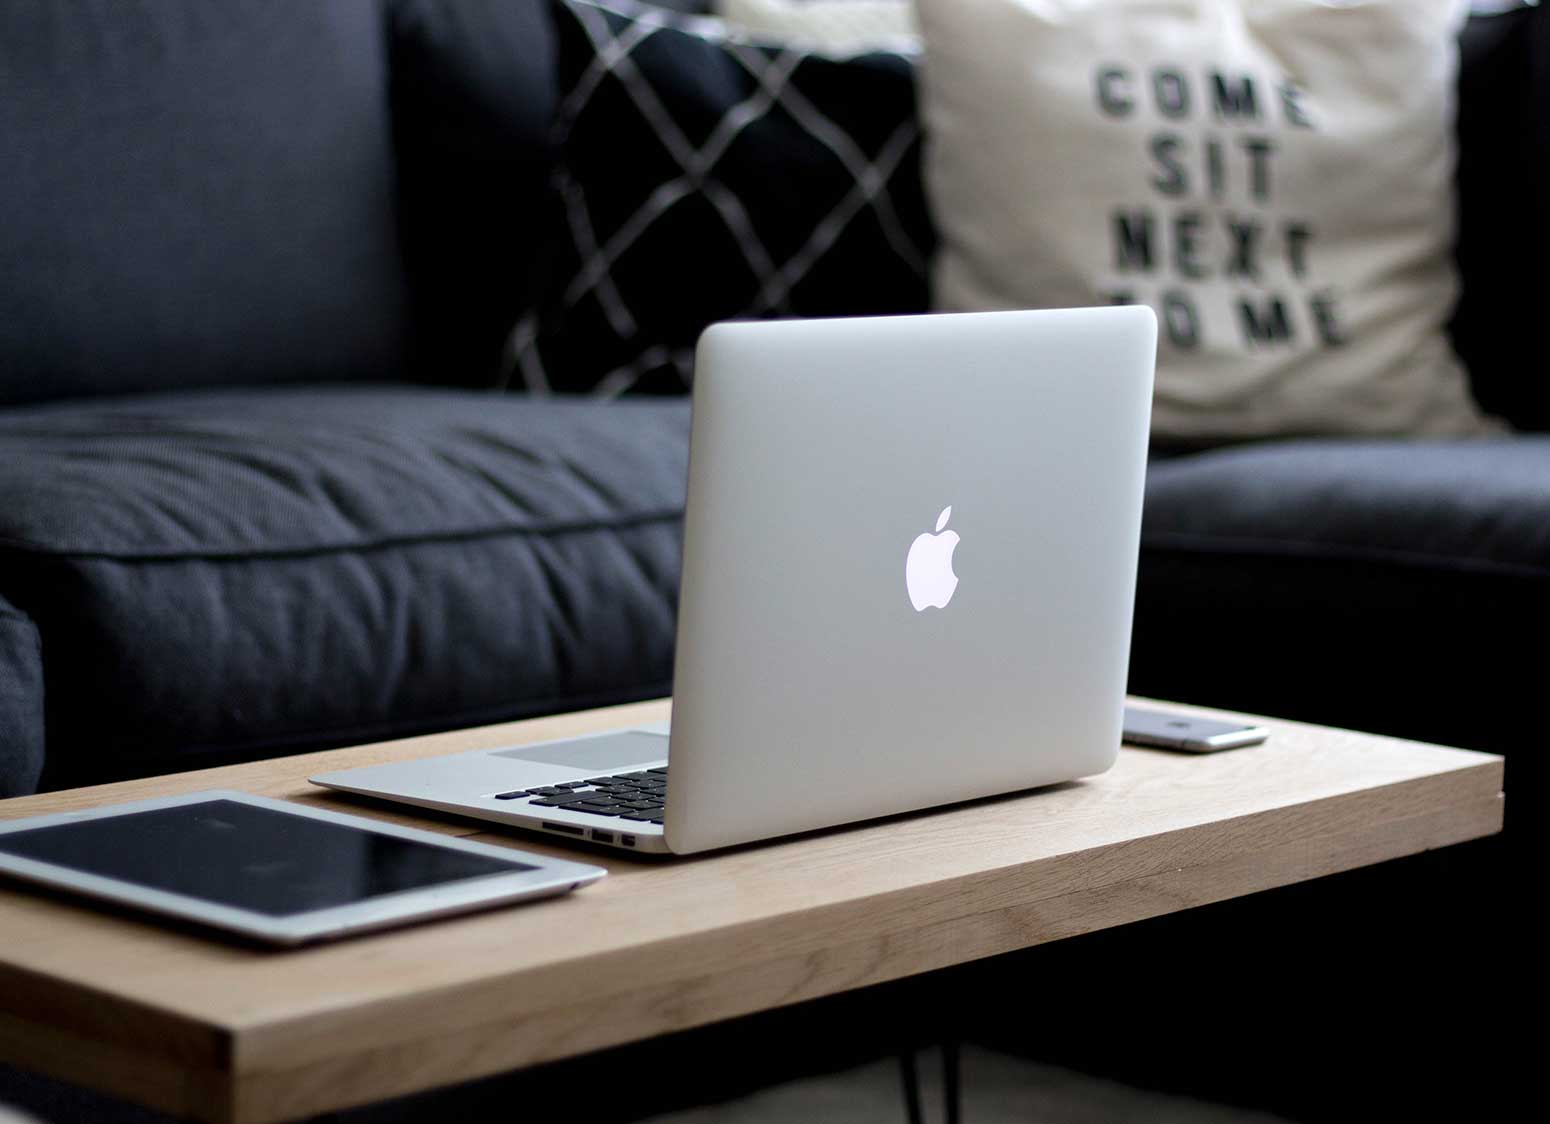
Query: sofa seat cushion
[(1398, 587), (1446, 506), (225, 574)]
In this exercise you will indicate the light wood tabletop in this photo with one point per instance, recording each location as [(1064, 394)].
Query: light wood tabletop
[(213, 1030)]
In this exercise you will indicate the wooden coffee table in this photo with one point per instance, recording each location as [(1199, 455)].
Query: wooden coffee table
[(216, 1031)]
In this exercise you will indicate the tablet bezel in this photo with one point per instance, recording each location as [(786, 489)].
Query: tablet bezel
[(549, 876)]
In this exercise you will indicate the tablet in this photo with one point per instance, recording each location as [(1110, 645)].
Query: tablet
[(272, 870)]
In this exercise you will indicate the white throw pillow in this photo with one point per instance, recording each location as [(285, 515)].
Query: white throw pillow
[(839, 26), (1273, 177)]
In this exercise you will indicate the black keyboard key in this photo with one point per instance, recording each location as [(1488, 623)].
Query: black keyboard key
[(572, 784), (593, 809), (511, 795), (637, 817), (552, 801), (659, 769), (547, 790)]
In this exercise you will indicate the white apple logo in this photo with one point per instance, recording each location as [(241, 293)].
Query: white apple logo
[(928, 569)]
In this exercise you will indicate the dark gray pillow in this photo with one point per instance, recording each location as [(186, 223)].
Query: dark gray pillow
[(474, 93), (194, 194)]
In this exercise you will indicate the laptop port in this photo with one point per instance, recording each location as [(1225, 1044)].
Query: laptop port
[(567, 828), (627, 840), (602, 836)]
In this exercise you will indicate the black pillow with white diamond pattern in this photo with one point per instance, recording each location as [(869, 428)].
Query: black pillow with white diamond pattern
[(706, 177)]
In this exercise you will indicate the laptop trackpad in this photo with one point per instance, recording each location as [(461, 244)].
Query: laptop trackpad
[(606, 754)]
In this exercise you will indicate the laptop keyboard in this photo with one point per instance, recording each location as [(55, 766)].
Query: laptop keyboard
[(639, 797)]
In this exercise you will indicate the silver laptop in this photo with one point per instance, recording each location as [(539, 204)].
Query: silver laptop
[(909, 569)]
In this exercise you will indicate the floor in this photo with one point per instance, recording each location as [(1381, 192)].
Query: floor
[(997, 1089)]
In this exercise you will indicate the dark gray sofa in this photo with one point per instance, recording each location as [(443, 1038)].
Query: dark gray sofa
[(255, 493), (259, 494), (335, 213)]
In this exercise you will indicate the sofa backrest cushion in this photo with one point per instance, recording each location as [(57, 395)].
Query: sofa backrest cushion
[(194, 194), (1504, 212)]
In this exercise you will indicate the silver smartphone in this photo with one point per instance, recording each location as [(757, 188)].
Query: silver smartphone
[(1169, 730)]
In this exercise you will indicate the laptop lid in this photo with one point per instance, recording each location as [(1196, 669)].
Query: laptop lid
[(909, 564)]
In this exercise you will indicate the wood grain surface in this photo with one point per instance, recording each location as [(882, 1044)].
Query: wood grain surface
[(218, 1031)]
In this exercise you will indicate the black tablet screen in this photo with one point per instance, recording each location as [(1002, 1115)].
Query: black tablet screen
[(252, 858)]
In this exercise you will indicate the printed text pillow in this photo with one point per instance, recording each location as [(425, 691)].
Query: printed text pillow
[(1273, 177)]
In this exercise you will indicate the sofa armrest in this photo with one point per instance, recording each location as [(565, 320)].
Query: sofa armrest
[(21, 703)]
